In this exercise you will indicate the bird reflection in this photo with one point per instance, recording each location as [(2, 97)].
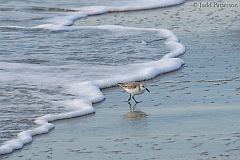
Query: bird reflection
[(134, 114), (132, 107)]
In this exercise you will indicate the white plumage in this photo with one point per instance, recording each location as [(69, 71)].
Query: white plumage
[(134, 89)]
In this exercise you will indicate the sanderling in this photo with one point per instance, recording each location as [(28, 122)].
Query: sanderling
[(133, 89)]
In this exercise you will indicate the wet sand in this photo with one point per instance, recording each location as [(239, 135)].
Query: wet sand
[(192, 113), (176, 133)]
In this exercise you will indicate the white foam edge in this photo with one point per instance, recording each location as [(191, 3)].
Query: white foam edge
[(93, 88), (60, 22), (57, 23)]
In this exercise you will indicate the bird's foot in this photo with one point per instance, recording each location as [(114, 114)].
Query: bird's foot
[(138, 102)]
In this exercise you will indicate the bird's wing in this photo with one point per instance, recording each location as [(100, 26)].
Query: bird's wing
[(130, 85)]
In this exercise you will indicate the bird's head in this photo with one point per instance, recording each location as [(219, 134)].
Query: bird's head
[(143, 87)]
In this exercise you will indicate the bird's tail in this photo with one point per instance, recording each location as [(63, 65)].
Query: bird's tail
[(120, 85)]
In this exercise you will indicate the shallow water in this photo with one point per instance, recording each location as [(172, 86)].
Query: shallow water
[(30, 13), (209, 77), (37, 66)]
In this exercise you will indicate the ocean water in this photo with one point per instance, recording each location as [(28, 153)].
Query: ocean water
[(192, 113), (51, 69)]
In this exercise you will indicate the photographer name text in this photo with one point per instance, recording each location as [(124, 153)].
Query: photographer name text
[(215, 5)]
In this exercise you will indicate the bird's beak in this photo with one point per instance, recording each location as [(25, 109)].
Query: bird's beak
[(148, 90)]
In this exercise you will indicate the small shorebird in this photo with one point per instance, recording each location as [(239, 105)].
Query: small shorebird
[(133, 89)]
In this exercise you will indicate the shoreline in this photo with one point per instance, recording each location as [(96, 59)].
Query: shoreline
[(84, 137), (92, 89), (181, 88), (84, 106)]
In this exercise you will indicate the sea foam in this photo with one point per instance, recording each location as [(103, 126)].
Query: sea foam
[(59, 23), (91, 90)]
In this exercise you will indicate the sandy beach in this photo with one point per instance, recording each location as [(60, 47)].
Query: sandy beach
[(190, 114)]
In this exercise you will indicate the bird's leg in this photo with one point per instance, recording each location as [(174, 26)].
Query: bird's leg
[(135, 99), (130, 97)]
